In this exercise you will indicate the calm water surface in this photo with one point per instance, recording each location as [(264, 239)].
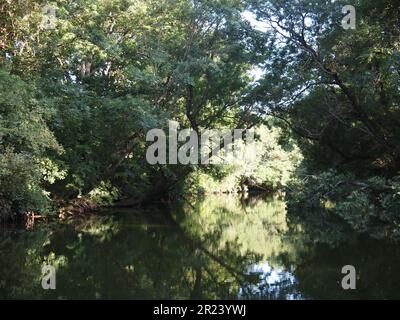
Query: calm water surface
[(216, 247)]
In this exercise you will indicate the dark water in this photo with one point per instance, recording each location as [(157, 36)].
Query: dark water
[(214, 248)]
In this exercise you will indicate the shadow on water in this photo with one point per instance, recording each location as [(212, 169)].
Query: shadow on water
[(219, 247)]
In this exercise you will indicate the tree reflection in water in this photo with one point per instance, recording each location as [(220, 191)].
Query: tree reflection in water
[(219, 247)]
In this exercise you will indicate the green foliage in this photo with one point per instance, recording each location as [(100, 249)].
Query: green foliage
[(110, 71), (337, 91), (269, 168), (25, 142), (77, 101), (334, 204), (104, 194)]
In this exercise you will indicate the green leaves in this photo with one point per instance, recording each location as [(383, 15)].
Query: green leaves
[(341, 202), (25, 142)]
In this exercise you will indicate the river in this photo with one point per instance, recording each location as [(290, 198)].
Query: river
[(216, 247)]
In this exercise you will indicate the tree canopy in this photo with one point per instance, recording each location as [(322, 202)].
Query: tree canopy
[(78, 97)]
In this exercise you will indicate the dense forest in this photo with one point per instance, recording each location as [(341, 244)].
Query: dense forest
[(80, 90)]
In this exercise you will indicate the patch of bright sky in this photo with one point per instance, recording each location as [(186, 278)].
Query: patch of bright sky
[(256, 72), (256, 24), (308, 22), (273, 280)]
